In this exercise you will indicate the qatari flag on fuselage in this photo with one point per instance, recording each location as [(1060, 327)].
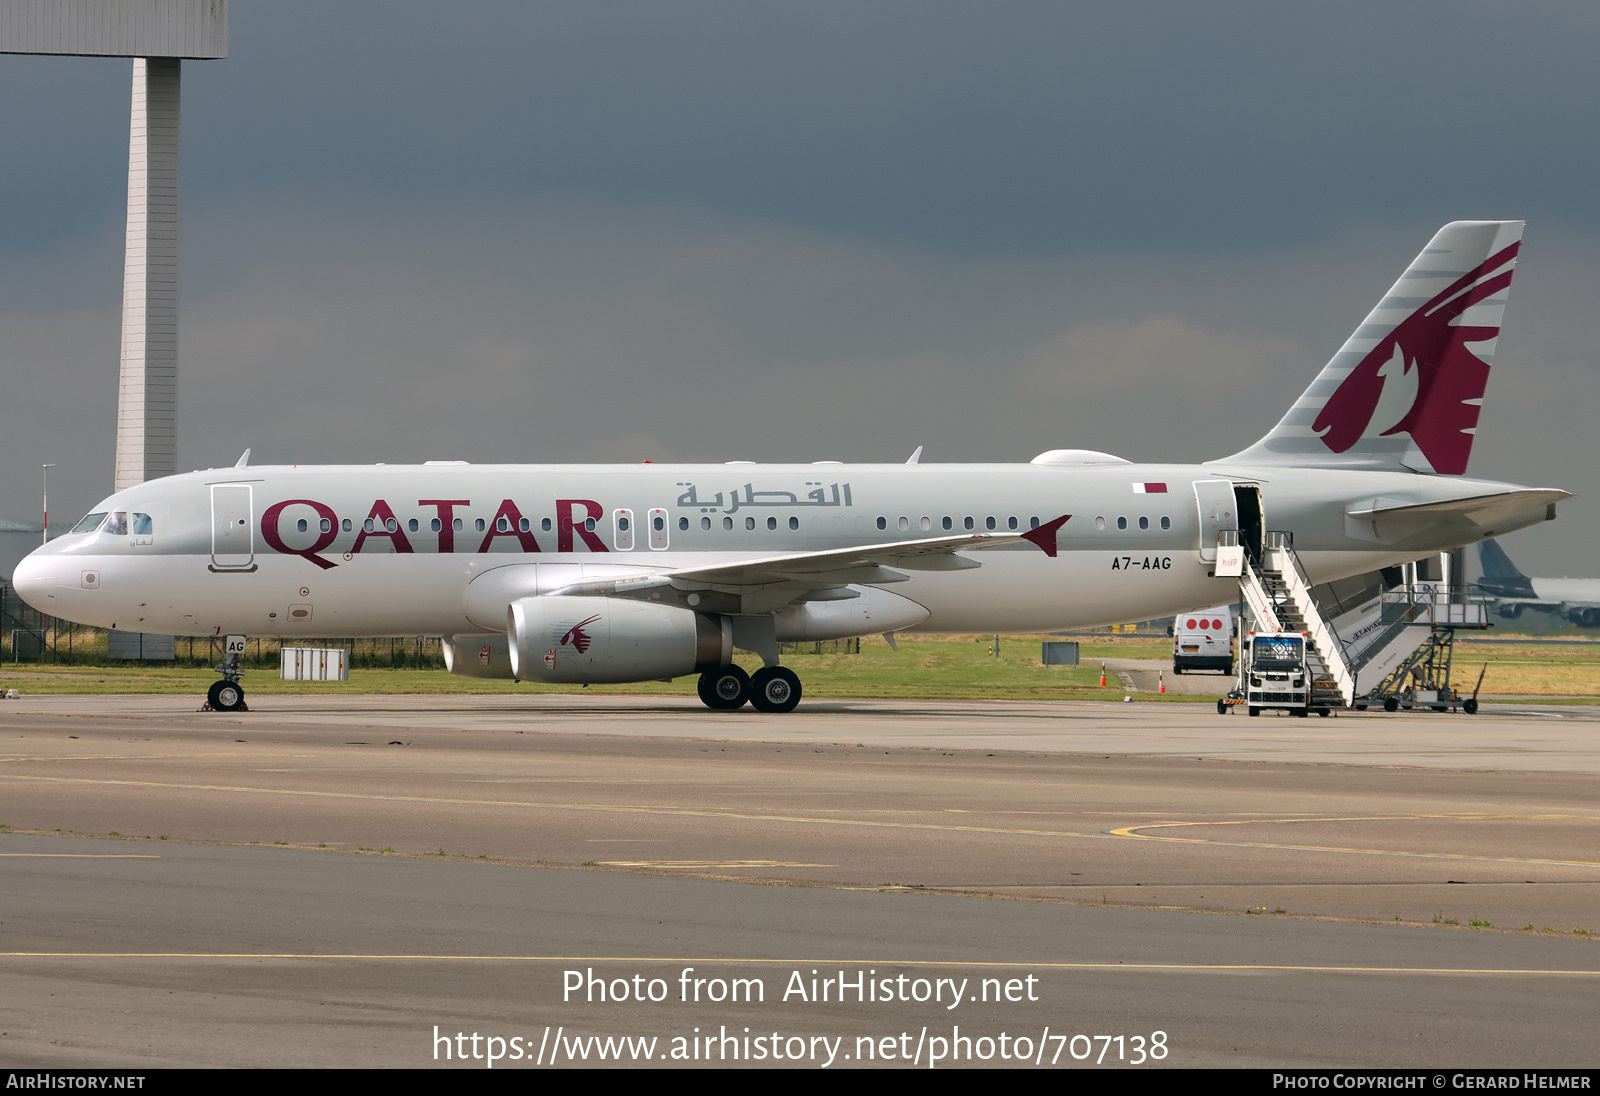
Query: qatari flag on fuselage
[(1149, 488)]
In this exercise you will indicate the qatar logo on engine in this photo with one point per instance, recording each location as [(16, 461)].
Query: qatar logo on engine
[(577, 637)]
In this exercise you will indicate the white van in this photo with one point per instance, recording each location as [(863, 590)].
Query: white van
[(1203, 640)]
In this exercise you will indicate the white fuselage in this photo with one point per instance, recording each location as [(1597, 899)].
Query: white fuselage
[(444, 549)]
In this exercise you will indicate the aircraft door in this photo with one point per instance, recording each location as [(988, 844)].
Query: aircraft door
[(232, 528), (1252, 527), (1218, 512)]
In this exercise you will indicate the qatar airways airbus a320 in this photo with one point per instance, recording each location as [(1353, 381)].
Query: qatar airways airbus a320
[(579, 573)]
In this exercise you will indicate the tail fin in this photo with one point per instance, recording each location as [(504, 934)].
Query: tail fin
[(1500, 575), (1406, 388)]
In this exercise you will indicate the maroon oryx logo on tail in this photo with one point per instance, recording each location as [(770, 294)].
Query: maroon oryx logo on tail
[(1431, 350), (577, 637)]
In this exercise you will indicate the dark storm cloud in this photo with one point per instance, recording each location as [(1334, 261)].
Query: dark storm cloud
[(995, 128)]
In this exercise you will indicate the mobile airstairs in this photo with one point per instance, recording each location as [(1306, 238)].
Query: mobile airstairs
[(1388, 646)]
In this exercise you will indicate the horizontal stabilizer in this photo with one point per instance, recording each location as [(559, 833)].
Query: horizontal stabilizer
[(1477, 510)]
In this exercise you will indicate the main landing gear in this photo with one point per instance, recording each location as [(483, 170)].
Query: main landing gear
[(227, 695), (769, 689)]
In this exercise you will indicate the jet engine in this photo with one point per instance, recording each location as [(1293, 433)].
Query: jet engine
[(590, 640), (478, 656)]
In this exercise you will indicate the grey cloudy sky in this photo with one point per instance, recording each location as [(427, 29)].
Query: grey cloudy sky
[(774, 231)]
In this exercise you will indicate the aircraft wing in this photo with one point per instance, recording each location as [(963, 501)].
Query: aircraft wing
[(1478, 510), (770, 582)]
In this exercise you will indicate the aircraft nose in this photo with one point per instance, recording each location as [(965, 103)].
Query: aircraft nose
[(35, 581)]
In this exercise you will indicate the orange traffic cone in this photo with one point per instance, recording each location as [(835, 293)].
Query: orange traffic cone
[(1102, 675), (1161, 681)]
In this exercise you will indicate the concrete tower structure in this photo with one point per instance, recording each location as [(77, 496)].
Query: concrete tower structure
[(158, 35)]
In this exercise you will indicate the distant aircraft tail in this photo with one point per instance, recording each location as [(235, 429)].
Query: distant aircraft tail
[(1406, 388), (1500, 575)]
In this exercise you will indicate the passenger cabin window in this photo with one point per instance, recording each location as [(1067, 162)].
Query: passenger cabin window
[(658, 530), (622, 530)]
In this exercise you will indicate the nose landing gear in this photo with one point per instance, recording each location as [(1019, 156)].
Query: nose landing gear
[(227, 695)]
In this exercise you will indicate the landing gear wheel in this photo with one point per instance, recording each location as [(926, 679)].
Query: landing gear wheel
[(724, 690), (1391, 704), (225, 696), (1470, 707), (774, 689)]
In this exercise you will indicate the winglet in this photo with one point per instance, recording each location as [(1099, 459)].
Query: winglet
[(1045, 535)]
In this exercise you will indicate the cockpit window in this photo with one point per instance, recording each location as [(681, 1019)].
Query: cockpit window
[(90, 523), (141, 525), (117, 523)]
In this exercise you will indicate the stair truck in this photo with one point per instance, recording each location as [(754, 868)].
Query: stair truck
[(1274, 673)]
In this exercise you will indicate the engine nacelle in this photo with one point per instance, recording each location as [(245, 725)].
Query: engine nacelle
[(478, 656), (594, 640)]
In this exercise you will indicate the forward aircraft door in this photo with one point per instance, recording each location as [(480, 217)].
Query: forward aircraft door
[(232, 528)]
